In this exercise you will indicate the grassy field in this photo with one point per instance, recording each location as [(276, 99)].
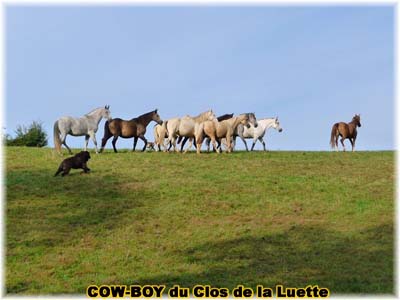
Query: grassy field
[(291, 218)]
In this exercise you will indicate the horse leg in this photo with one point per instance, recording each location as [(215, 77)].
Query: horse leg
[(262, 142), (142, 137), (174, 144), (208, 141), (199, 141), (190, 145), (63, 142), (114, 141), (86, 141), (244, 142), (234, 141), (342, 142), (104, 141), (353, 142), (183, 143), (93, 136), (216, 145), (229, 143), (254, 143), (218, 141), (336, 142), (135, 139)]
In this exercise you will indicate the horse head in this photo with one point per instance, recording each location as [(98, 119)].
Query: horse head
[(245, 120), (211, 116), (357, 120), (156, 117), (252, 120), (106, 114), (276, 125)]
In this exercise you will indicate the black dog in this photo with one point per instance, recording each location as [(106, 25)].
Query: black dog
[(78, 161)]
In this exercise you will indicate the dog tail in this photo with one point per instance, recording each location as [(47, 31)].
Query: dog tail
[(56, 135), (333, 134)]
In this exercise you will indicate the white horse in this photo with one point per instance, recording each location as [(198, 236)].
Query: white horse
[(86, 125), (186, 127), (256, 133)]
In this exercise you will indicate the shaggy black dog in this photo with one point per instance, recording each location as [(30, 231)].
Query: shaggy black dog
[(78, 161)]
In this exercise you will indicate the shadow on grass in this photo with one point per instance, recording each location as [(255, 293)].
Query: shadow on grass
[(296, 258), (45, 211)]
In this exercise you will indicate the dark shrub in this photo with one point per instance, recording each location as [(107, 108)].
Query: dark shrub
[(32, 136)]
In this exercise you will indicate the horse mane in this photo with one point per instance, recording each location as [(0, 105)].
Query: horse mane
[(200, 114), (92, 111), (224, 117), (143, 116)]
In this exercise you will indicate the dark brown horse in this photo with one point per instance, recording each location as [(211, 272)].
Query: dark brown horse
[(346, 131), (135, 128)]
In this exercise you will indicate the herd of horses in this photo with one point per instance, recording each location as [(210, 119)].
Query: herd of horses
[(206, 126)]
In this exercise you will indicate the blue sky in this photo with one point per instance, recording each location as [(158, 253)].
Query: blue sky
[(310, 65)]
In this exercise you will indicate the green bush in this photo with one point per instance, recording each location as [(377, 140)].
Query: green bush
[(32, 136)]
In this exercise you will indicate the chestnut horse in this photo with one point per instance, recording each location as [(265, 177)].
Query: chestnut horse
[(135, 128), (346, 131)]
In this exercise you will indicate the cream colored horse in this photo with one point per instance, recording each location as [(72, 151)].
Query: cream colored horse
[(186, 127), (160, 133), (218, 130)]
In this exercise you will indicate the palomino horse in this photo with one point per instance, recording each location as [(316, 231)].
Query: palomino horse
[(252, 121), (219, 130), (186, 127), (346, 131), (160, 133), (219, 119), (256, 133), (135, 128), (86, 125)]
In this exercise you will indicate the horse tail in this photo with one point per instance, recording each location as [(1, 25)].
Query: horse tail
[(157, 136), (107, 132), (164, 125), (56, 135), (333, 134)]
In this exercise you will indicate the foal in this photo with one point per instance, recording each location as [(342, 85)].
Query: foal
[(346, 131)]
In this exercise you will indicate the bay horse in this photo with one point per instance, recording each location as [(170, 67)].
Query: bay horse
[(256, 133), (346, 131), (135, 128), (86, 125), (219, 130)]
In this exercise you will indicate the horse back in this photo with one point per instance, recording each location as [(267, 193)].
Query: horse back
[(123, 128), (72, 126), (343, 129)]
